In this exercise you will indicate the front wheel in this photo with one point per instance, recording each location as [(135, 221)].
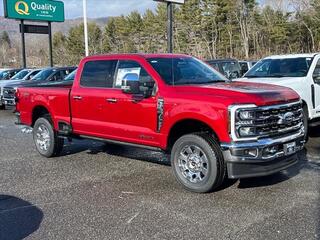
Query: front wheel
[(46, 139), (198, 163)]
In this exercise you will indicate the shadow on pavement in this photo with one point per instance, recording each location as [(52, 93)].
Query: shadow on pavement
[(314, 132), (18, 218), (277, 177)]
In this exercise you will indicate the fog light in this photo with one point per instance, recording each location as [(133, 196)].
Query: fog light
[(245, 152), (270, 151)]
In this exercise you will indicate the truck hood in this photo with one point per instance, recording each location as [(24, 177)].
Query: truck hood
[(244, 93), (19, 83), (7, 82), (285, 81)]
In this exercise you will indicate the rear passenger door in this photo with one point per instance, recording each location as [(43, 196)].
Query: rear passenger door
[(91, 112)]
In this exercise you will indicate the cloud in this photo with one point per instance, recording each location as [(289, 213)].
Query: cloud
[(103, 8)]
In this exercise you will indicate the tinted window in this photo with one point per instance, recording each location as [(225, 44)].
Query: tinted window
[(126, 67), (98, 74), (185, 70), (71, 76), (31, 75), (317, 69), (43, 75), (20, 75), (289, 67)]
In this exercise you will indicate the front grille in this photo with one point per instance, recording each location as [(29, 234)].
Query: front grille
[(9, 93), (277, 120), (249, 122)]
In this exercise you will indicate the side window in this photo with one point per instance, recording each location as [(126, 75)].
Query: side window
[(127, 66), (98, 74), (317, 69), (32, 75)]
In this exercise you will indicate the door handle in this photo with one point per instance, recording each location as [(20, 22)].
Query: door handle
[(111, 100), (77, 98)]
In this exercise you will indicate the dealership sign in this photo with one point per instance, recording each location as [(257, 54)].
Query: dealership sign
[(172, 1), (35, 10)]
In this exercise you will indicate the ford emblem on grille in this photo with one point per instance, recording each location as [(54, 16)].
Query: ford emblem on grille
[(286, 118)]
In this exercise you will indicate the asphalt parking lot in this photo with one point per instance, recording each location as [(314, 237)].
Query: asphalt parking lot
[(99, 191)]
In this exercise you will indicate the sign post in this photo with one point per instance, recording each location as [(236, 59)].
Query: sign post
[(35, 10), (170, 21), (23, 44)]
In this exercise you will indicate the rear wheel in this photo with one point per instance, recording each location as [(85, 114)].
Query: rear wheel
[(46, 139), (198, 163)]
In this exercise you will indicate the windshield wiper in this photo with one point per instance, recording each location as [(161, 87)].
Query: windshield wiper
[(254, 76)]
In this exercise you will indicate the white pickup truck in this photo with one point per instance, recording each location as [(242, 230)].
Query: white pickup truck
[(301, 72)]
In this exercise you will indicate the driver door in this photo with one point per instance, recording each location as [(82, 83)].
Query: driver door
[(134, 117)]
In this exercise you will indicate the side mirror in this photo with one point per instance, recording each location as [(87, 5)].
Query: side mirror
[(131, 84)]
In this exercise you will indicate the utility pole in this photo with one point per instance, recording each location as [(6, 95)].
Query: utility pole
[(85, 23), (170, 20), (170, 26)]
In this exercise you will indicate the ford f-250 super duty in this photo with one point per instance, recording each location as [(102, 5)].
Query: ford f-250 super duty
[(212, 127)]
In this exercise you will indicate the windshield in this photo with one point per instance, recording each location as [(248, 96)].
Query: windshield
[(20, 75), (185, 70), (71, 76), (43, 75), (288, 67)]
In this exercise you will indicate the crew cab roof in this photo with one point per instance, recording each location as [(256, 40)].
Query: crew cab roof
[(143, 55), (308, 55)]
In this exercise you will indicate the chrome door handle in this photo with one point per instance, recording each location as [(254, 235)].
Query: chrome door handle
[(112, 100), (77, 97)]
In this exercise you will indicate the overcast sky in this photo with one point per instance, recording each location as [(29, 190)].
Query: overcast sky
[(103, 8)]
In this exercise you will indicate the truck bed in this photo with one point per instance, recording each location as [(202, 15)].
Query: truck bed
[(54, 98)]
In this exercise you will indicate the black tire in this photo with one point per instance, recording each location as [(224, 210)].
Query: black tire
[(216, 169), (306, 123), (55, 145), (3, 107)]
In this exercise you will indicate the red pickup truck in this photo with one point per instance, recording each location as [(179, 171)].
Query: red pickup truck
[(213, 128)]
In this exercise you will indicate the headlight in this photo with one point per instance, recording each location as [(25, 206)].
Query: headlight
[(242, 122), (246, 115)]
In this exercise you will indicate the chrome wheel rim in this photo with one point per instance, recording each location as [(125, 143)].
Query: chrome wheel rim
[(43, 137), (193, 163)]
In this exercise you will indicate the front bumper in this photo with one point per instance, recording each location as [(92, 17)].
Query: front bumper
[(9, 101), (263, 157)]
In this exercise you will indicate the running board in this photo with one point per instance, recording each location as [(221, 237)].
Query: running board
[(123, 143)]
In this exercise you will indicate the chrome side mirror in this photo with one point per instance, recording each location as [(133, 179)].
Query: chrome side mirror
[(131, 84)]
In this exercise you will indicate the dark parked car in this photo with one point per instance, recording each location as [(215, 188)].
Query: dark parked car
[(229, 67), (47, 75), (68, 80), (20, 77), (7, 74)]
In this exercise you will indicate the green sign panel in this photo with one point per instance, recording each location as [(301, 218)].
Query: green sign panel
[(35, 10)]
